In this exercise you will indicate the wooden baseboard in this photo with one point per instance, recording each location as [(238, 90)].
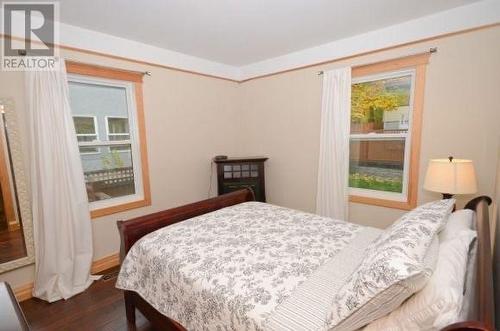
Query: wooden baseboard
[(13, 226), (24, 292), (105, 263)]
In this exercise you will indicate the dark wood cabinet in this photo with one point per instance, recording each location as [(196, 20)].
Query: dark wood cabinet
[(236, 173)]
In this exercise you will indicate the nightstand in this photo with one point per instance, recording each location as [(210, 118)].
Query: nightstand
[(237, 173)]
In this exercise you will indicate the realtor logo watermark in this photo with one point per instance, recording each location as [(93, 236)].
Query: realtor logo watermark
[(31, 31)]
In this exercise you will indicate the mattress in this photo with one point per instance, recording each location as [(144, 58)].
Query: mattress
[(252, 266)]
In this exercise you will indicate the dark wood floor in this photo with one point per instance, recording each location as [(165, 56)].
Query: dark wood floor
[(11, 245), (101, 307)]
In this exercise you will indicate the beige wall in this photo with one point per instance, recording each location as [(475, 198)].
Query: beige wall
[(188, 121), (461, 118), (190, 118)]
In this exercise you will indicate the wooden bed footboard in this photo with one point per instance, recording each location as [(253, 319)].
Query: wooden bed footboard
[(134, 229)]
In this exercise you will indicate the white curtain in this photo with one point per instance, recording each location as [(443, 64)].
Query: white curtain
[(332, 196), (61, 219)]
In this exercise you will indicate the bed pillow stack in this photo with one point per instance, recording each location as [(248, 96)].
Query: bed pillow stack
[(396, 265), (440, 302)]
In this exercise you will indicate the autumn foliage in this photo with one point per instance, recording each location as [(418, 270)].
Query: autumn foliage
[(369, 101)]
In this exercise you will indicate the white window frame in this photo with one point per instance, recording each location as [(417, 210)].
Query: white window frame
[(108, 134), (96, 134), (133, 141), (400, 197)]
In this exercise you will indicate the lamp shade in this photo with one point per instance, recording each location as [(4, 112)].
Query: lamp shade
[(453, 176)]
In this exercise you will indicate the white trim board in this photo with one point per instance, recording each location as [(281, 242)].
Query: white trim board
[(477, 14), (77, 37)]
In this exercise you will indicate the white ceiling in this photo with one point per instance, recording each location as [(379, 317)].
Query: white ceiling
[(240, 32)]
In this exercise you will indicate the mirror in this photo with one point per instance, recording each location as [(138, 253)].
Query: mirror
[(16, 236)]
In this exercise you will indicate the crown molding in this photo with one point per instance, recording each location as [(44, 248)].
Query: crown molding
[(93, 42), (78, 38), (464, 18), (483, 13)]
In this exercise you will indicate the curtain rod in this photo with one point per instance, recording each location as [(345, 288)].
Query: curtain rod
[(144, 73), (431, 50)]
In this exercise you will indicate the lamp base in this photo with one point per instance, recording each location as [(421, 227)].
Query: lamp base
[(447, 196)]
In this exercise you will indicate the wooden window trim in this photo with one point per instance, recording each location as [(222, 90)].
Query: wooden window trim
[(136, 78), (418, 63)]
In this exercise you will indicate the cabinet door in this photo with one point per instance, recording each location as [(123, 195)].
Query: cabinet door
[(254, 185)]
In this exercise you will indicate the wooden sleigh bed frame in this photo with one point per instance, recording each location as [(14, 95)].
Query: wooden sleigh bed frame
[(134, 229)]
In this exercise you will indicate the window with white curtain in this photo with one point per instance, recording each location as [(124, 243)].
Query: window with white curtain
[(381, 110), (385, 129), (106, 118)]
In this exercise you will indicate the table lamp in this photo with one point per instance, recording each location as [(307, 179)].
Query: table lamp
[(450, 176)]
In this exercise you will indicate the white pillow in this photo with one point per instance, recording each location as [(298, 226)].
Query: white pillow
[(439, 303), (457, 222), (395, 265)]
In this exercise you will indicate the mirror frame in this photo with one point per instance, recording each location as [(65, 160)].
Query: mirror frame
[(23, 196)]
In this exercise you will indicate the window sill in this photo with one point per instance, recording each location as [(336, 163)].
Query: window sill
[(404, 205), (119, 208)]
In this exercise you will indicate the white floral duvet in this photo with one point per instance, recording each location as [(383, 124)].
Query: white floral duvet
[(251, 266)]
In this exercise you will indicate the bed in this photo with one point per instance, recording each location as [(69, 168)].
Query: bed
[(261, 267)]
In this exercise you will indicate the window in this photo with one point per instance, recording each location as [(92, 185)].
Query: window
[(118, 130), (86, 130), (386, 106), (109, 124)]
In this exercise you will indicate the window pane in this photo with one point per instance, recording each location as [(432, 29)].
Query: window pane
[(115, 137), (118, 125), (119, 148), (86, 138), (90, 99), (108, 170), (84, 125), (377, 164), (381, 106), (109, 174), (89, 150)]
